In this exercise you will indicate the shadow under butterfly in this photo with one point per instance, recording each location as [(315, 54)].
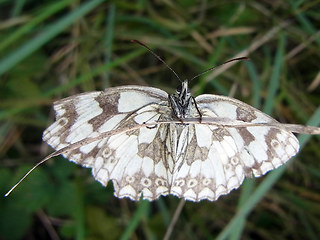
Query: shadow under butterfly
[(150, 143)]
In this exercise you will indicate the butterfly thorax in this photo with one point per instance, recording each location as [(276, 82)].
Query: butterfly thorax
[(181, 102)]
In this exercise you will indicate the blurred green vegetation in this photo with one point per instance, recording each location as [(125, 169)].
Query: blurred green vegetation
[(53, 49)]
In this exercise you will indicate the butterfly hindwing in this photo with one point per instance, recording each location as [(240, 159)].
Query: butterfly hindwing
[(136, 163)]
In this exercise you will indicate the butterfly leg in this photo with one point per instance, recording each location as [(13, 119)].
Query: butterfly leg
[(195, 104)]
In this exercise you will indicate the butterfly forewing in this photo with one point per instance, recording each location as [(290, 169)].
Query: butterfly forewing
[(190, 160), (84, 115)]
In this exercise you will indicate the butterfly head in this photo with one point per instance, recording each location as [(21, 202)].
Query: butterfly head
[(183, 92), (180, 101)]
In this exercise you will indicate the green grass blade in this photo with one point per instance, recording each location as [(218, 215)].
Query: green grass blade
[(275, 76), (212, 62), (140, 212), (142, 21), (247, 189), (306, 24), (256, 84), (17, 7), (79, 212), (108, 39), (63, 88), (95, 72), (51, 31), (19, 33)]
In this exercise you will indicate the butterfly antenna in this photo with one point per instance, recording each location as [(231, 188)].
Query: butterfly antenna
[(157, 56), (210, 69)]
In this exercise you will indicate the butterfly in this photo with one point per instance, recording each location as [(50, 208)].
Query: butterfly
[(151, 143)]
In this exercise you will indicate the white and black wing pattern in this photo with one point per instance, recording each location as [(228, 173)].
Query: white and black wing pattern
[(135, 160), (90, 114), (217, 158), (191, 160), (262, 148)]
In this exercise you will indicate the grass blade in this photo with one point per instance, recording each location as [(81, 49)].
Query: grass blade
[(51, 31)]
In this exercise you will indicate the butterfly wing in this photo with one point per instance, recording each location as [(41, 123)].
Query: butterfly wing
[(217, 159), (194, 161), (89, 114), (126, 158), (260, 146), (136, 162)]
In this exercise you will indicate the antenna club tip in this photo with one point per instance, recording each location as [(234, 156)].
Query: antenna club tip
[(242, 58), (136, 41)]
